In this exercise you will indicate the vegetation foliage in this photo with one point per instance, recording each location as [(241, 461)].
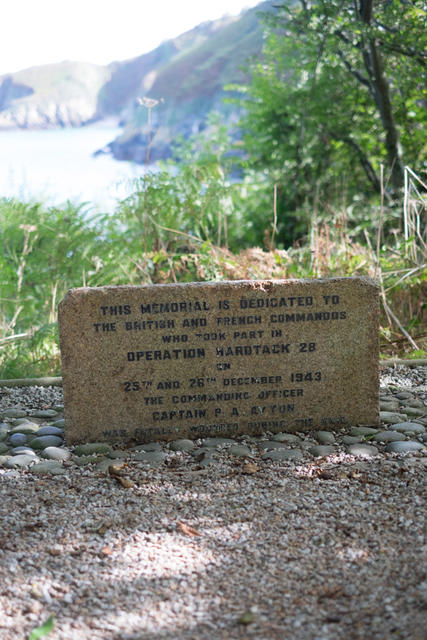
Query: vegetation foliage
[(317, 184), (339, 93)]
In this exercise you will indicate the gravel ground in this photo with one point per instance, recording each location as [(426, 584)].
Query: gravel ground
[(319, 548)]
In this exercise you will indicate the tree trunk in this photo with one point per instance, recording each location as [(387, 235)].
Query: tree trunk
[(381, 92), (383, 100)]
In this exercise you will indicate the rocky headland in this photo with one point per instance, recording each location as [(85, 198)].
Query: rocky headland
[(183, 79)]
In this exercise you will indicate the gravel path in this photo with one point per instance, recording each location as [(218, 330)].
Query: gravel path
[(217, 541)]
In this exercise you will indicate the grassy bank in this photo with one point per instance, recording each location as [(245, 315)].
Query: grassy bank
[(191, 228)]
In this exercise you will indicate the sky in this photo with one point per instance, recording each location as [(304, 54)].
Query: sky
[(36, 32)]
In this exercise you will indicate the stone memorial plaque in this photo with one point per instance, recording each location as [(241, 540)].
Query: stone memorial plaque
[(219, 359)]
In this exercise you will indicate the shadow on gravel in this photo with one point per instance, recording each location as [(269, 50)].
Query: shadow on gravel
[(315, 550)]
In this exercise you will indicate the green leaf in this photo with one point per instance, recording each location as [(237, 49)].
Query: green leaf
[(45, 628), (246, 618)]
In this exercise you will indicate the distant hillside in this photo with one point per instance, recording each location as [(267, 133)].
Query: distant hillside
[(189, 86), (54, 95), (134, 78), (185, 75), (70, 94)]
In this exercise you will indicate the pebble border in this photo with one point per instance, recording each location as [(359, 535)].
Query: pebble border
[(33, 439)]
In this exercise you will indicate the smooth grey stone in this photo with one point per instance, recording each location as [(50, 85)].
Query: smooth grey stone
[(409, 427), (351, 439), (44, 413), (286, 437), (325, 437), (268, 445), (3, 435), (404, 447), (50, 430), (391, 405), (321, 450), (59, 423), (4, 427), (56, 453), (84, 460), (412, 411), (150, 456), (19, 421), (20, 461), (18, 439), (216, 442), (362, 450), (283, 454), (152, 446), (181, 445), (118, 454), (90, 448), (387, 436), (26, 427), (239, 450), (424, 437), (3, 460), (404, 395), (51, 467), (58, 407), (362, 431), (17, 451), (392, 417), (46, 441), (415, 402), (3, 448), (102, 464), (14, 413)]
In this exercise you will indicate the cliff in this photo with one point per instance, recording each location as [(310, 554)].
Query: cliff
[(188, 87), (56, 95)]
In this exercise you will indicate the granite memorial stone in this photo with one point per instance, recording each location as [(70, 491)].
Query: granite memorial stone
[(193, 360)]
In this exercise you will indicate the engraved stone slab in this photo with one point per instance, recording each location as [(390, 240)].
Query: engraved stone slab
[(217, 359)]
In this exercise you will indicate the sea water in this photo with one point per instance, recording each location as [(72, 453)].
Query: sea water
[(56, 165)]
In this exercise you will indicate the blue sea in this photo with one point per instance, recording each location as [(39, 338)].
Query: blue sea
[(57, 165)]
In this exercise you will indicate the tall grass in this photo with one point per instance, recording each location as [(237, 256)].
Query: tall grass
[(195, 225)]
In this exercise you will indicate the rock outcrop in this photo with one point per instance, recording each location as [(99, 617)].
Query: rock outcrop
[(57, 95), (183, 80), (189, 87), (11, 90)]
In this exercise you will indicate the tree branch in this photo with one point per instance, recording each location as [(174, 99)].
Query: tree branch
[(343, 37), (364, 161), (359, 77), (419, 56), (386, 27)]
